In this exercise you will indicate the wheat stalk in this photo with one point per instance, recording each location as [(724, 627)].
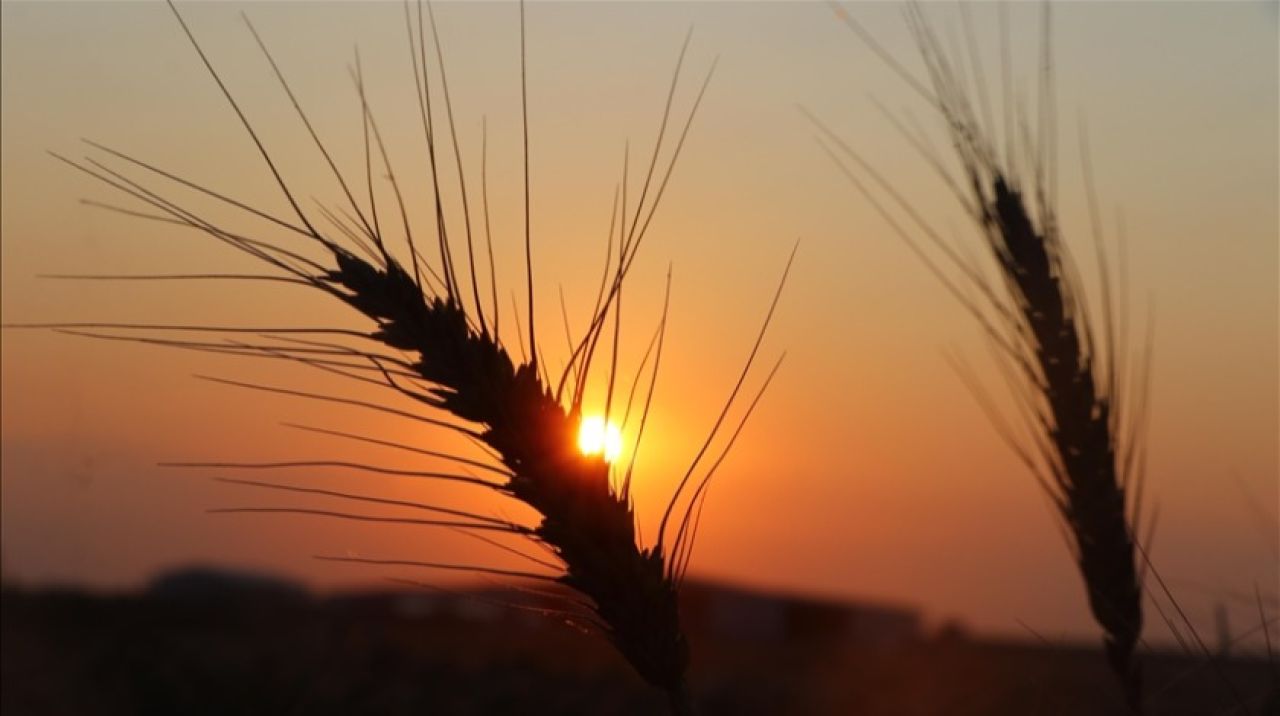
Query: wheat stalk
[(1085, 442), (428, 345)]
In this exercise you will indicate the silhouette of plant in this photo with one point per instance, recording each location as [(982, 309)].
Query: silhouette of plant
[(435, 341), (1085, 420)]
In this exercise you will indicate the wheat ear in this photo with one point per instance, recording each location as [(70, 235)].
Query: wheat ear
[(1085, 443), (428, 345)]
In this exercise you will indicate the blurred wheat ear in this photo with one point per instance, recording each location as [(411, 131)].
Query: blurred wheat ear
[(1084, 420), (436, 343)]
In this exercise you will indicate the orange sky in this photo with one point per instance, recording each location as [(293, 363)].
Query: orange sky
[(867, 472)]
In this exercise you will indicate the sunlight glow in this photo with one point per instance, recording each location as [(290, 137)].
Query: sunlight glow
[(596, 437)]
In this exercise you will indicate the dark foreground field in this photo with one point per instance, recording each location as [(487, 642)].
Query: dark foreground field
[(184, 650)]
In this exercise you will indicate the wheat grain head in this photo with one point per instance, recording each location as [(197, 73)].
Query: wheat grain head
[(1084, 422), (434, 342)]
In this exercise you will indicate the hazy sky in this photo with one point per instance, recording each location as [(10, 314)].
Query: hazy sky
[(868, 471)]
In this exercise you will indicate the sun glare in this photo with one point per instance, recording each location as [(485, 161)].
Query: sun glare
[(597, 437)]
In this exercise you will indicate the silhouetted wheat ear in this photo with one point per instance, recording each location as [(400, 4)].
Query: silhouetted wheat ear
[(1092, 495), (436, 343), (1084, 451), (587, 524)]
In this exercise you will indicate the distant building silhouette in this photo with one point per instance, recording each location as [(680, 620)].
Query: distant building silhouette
[(716, 610), (736, 613), (223, 585)]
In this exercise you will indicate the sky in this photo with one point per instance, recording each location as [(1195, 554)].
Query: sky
[(867, 472)]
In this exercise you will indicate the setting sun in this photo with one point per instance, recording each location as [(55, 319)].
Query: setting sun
[(598, 437)]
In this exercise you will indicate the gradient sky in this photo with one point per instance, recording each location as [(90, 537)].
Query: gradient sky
[(868, 471)]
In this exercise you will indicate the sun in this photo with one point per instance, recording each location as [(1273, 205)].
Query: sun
[(596, 436)]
